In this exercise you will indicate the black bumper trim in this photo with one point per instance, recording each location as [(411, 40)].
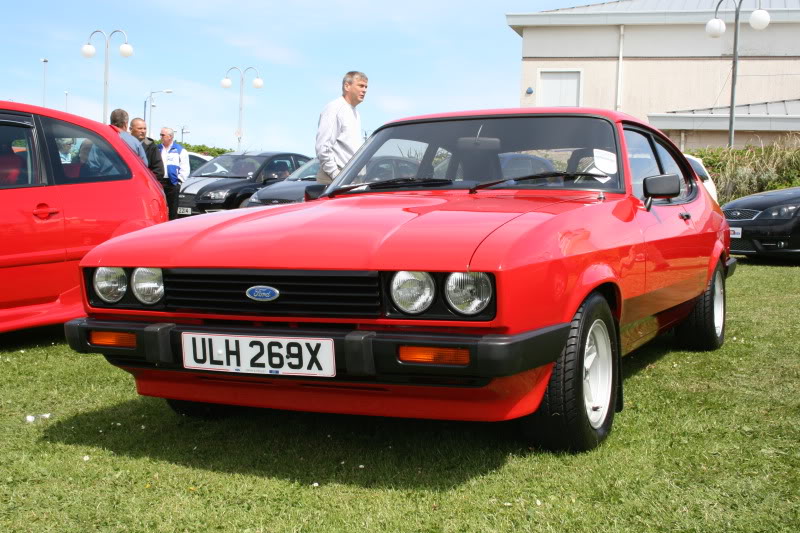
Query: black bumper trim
[(730, 266), (359, 353)]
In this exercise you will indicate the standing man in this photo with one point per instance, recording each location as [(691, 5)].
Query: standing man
[(339, 129), (119, 121), (176, 165), (156, 165)]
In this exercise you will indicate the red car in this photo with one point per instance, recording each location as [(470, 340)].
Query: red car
[(66, 185), (465, 290)]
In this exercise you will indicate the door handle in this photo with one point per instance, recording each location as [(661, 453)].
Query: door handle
[(44, 211), (685, 216)]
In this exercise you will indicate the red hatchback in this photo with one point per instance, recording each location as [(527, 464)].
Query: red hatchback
[(66, 185), (502, 278)]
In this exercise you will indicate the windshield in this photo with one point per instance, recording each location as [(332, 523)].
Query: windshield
[(306, 172), (231, 166), (570, 152)]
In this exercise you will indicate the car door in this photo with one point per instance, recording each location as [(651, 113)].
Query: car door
[(32, 251), (674, 253)]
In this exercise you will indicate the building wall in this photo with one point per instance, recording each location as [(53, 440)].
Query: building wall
[(704, 139), (659, 85)]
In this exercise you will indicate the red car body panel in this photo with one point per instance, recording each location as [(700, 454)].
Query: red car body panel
[(547, 252), (46, 230)]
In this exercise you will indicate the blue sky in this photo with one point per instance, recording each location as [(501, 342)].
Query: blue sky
[(421, 57)]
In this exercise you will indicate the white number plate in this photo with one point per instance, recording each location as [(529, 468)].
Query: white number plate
[(184, 210), (284, 356), (736, 233)]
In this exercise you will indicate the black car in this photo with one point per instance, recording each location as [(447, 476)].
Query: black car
[(766, 223), (293, 188), (228, 181)]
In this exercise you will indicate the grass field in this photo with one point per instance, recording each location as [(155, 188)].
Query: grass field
[(707, 442)]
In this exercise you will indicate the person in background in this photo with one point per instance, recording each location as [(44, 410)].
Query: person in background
[(176, 166), (151, 149), (119, 121), (64, 145), (339, 127)]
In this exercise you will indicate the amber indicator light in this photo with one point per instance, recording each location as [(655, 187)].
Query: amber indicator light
[(434, 355), (112, 338)]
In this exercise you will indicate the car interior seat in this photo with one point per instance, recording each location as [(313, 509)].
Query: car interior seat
[(10, 166)]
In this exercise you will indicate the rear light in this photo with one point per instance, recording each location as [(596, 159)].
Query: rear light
[(116, 339), (434, 355)]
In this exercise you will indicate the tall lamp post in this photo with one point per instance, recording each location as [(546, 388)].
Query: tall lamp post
[(151, 106), (88, 50), (226, 83), (66, 101), (183, 131), (44, 81), (759, 19)]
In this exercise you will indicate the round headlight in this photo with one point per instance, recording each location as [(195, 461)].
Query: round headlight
[(468, 293), (413, 292), (147, 285), (110, 284)]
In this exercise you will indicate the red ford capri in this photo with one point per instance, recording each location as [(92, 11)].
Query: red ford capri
[(67, 183), (524, 253)]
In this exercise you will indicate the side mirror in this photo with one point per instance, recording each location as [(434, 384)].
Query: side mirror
[(313, 192), (663, 186)]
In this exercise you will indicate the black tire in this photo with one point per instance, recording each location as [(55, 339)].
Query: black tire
[(204, 411), (563, 421), (704, 328), (244, 202)]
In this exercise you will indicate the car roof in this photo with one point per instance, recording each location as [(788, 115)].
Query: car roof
[(263, 154), (616, 116)]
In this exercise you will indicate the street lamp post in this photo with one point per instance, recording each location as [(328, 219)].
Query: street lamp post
[(88, 50), (759, 19), (44, 81), (184, 130), (226, 83), (151, 106), (66, 101)]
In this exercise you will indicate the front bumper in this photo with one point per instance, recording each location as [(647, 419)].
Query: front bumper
[(775, 237)]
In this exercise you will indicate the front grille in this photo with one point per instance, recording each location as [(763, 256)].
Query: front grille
[(742, 245), (741, 214), (275, 201), (186, 200), (320, 293)]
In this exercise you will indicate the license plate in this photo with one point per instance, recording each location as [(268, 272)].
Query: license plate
[(736, 233), (284, 356), (184, 210)]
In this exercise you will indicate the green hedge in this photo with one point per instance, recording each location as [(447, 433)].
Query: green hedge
[(213, 151), (742, 171)]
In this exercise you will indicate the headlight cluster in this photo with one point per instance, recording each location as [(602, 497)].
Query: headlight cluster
[(111, 284), (780, 212), (466, 293)]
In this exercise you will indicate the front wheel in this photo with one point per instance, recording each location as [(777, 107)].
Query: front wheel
[(578, 407), (704, 328)]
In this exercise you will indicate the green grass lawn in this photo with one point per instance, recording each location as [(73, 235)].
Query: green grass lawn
[(707, 442)]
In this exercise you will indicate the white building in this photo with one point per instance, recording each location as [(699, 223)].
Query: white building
[(653, 59)]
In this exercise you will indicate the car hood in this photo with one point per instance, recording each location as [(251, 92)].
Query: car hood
[(765, 200), (284, 190), (363, 232), (225, 183), (192, 185)]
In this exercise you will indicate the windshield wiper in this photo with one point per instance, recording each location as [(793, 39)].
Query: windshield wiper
[(540, 175), (395, 182)]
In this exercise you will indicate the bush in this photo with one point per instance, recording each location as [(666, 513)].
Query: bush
[(742, 171), (213, 151)]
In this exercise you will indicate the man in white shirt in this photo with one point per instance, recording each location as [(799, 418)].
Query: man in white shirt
[(339, 129), (176, 168)]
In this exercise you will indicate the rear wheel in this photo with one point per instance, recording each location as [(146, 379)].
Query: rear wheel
[(704, 328), (206, 411), (577, 410)]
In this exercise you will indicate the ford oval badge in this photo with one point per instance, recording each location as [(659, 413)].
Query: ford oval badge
[(262, 293)]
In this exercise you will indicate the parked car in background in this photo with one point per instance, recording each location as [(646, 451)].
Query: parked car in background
[(766, 223), (197, 160), (293, 188), (66, 184), (471, 295), (701, 171), (229, 180)]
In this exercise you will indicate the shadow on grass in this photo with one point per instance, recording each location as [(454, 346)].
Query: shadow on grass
[(641, 358), (300, 447), (32, 337)]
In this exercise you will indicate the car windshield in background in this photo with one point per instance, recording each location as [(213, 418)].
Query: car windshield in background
[(544, 152), (306, 172), (231, 166)]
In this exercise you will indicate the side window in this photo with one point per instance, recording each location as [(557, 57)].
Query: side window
[(641, 159), (78, 155), (280, 167), (17, 158), (300, 161), (671, 166)]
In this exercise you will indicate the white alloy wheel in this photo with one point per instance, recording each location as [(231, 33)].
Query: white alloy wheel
[(597, 374), (719, 303)]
